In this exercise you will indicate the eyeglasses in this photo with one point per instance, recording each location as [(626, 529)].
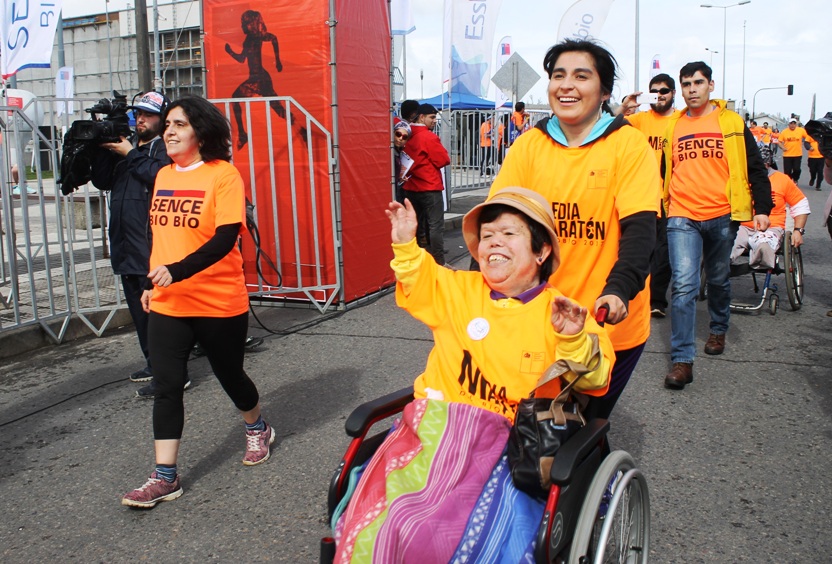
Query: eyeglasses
[(661, 91), (401, 136)]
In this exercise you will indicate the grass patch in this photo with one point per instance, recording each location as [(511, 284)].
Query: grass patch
[(31, 174)]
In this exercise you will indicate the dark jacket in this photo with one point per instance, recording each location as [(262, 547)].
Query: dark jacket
[(130, 182)]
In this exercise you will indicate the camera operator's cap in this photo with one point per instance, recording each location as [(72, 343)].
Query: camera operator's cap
[(152, 102), (526, 201)]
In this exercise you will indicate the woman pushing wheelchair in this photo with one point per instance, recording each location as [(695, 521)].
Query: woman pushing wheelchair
[(442, 473)]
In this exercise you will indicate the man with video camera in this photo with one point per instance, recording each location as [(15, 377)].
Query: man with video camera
[(128, 170)]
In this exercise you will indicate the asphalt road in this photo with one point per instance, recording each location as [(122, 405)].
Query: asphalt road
[(738, 463)]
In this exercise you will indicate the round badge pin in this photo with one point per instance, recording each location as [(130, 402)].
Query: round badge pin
[(478, 328)]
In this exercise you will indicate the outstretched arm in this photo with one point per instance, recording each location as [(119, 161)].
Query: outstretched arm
[(239, 58), (273, 38), (402, 220)]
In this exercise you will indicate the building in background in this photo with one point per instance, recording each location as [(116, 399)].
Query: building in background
[(100, 44)]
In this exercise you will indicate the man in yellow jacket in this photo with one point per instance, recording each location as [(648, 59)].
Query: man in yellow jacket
[(711, 169)]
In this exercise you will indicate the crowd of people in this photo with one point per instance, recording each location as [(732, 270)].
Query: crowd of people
[(585, 207)]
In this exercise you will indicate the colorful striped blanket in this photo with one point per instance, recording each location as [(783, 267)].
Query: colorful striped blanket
[(439, 490)]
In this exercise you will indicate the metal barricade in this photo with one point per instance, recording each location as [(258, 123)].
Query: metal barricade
[(54, 249)]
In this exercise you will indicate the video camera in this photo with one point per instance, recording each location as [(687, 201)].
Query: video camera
[(111, 128), (77, 158), (821, 131)]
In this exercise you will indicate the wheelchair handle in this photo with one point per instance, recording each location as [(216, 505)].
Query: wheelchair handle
[(601, 314)]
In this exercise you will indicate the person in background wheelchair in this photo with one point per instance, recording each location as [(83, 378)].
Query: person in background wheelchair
[(495, 334), (762, 245)]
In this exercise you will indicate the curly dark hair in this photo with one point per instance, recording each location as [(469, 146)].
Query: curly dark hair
[(605, 64), (212, 129)]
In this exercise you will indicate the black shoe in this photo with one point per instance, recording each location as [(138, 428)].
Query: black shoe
[(253, 342), (149, 391), (143, 375), (658, 312)]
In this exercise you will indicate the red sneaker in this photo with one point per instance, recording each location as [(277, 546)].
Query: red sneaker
[(152, 492), (258, 446)]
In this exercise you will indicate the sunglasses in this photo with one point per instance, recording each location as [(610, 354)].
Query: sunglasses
[(661, 91), (401, 136)]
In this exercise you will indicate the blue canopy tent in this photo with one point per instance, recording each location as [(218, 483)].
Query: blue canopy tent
[(462, 102)]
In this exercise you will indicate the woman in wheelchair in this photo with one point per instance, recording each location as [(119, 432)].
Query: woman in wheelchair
[(762, 245), (438, 488)]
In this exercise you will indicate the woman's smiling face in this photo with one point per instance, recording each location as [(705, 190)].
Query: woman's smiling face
[(506, 259), (575, 93)]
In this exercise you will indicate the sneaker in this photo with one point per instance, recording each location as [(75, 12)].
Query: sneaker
[(149, 391), (253, 342), (258, 445), (658, 312), (143, 375), (153, 491)]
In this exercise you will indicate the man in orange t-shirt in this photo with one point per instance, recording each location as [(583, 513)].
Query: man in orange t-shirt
[(791, 141), (763, 244), (709, 164), (815, 164), (653, 124)]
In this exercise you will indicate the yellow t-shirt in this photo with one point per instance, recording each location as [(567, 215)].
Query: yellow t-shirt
[(791, 141), (783, 191), (700, 169), (187, 207), (591, 188), (654, 126), (486, 354)]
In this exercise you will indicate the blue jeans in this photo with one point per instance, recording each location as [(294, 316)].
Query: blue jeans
[(690, 243)]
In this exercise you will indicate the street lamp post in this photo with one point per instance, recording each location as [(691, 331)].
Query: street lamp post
[(724, 33), (789, 89), (711, 51)]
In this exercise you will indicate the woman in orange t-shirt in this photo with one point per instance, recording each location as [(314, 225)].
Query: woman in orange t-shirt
[(196, 290)]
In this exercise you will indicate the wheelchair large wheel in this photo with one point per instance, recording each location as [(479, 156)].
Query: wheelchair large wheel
[(794, 272), (614, 523)]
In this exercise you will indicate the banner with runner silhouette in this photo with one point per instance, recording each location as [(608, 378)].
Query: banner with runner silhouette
[(282, 48)]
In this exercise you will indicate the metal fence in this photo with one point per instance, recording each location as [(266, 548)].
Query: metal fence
[(54, 249), (476, 154)]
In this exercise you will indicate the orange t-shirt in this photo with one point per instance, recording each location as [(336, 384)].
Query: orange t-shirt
[(591, 188), (700, 169), (814, 151), (766, 135), (757, 132), (783, 191), (187, 207), (654, 126), (791, 141), (485, 134)]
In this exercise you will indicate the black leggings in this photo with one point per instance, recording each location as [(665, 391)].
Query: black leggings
[(171, 339)]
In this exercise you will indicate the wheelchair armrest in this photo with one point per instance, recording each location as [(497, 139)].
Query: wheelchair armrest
[(365, 415), (576, 448)]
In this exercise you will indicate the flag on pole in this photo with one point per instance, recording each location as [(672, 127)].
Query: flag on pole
[(584, 19), (64, 88), (655, 67), (27, 32), (401, 17), (504, 52), (469, 40)]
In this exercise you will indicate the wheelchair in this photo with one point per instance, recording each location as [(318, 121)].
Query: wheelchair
[(597, 510), (788, 261)]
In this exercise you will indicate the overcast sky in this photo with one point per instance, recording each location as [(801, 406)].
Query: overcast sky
[(786, 42)]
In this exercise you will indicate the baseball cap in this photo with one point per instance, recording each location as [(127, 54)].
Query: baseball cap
[(528, 202), (152, 102), (793, 120)]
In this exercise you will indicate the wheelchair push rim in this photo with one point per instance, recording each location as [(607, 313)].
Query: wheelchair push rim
[(614, 526), (794, 272)]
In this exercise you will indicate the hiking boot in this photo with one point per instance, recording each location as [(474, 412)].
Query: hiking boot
[(152, 492), (143, 375), (149, 391), (715, 344), (679, 376), (258, 446)]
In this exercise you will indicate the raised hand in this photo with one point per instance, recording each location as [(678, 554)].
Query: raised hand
[(568, 317), (402, 221)]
